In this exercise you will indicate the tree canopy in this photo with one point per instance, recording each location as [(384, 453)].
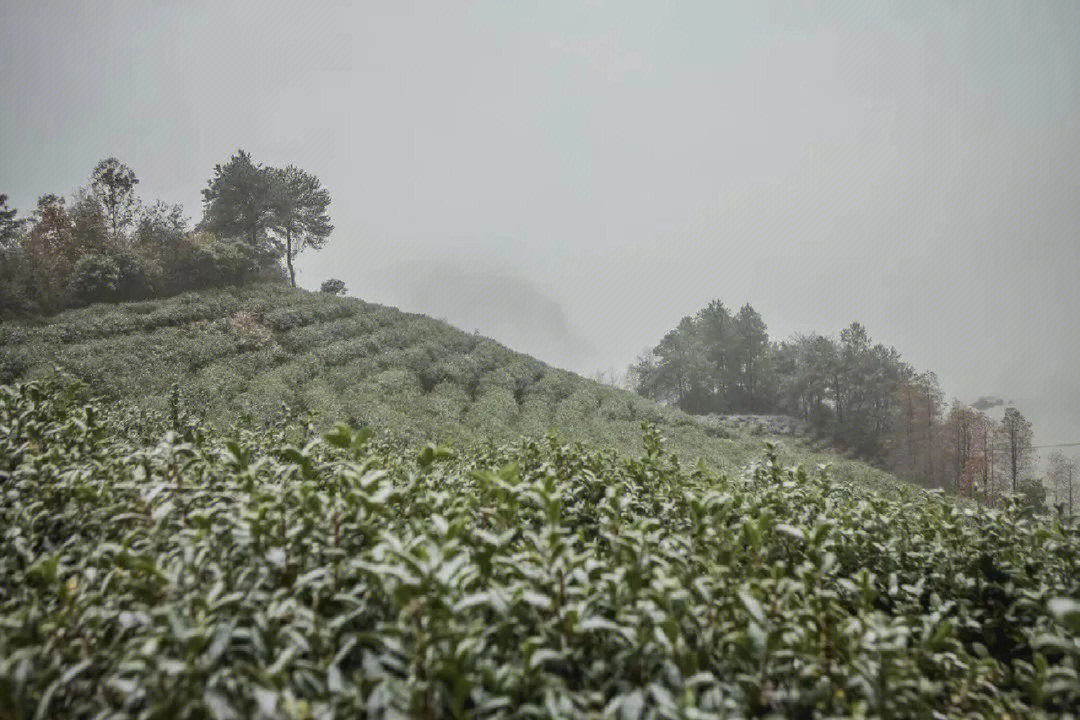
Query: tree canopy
[(281, 207), (238, 200), (112, 185), (298, 212), (1018, 440), (860, 394), (711, 362), (104, 244), (10, 224)]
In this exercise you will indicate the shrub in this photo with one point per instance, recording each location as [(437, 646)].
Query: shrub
[(273, 573), (95, 278), (230, 261), (286, 318), (134, 282), (333, 286), (208, 261), (12, 367), (19, 293), (110, 277)]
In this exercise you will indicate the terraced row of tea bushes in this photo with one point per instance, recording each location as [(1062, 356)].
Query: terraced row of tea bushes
[(283, 575), (245, 352)]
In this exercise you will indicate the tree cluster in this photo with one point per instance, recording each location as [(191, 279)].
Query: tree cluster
[(712, 362), (105, 244), (962, 449), (281, 209), (860, 394)]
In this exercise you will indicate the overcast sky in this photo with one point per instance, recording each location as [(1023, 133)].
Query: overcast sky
[(573, 178)]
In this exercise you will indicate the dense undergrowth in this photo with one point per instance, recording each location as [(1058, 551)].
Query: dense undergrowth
[(282, 574), (263, 350)]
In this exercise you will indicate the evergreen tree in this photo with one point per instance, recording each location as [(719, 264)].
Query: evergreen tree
[(1064, 475), (298, 213), (10, 225), (238, 200), (748, 354)]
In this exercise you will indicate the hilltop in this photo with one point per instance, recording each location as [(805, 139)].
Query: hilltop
[(254, 353)]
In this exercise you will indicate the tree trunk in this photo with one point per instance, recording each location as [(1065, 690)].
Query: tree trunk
[(1012, 455), (993, 463), (986, 468), (930, 480), (288, 257), (1070, 490)]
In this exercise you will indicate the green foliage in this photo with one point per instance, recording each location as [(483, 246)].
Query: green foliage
[(299, 218), (275, 210), (112, 186), (10, 224), (227, 261), (252, 348), (1018, 438), (109, 277), (711, 362), (860, 394), (88, 232), (95, 278), (152, 569), (19, 294), (333, 286), (108, 247), (160, 226), (237, 200)]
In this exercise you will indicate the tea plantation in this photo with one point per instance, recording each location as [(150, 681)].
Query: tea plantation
[(153, 568), (263, 351)]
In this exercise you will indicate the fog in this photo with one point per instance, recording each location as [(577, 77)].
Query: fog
[(573, 178)]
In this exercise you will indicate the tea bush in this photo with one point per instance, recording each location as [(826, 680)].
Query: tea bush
[(153, 568), (257, 347)]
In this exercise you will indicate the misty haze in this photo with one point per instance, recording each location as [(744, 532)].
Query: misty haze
[(561, 359)]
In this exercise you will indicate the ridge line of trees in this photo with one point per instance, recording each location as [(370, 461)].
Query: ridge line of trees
[(859, 394), (108, 245)]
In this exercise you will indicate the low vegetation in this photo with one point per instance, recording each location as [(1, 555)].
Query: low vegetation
[(279, 574), (261, 352), (255, 501)]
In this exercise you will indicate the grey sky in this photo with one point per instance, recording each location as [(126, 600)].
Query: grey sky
[(914, 166)]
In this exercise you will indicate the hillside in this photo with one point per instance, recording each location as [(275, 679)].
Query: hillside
[(246, 566), (246, 575), (247, 353)]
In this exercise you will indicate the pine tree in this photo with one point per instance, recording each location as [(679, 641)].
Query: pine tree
[(10, 226), (298, 213), (237, 201)]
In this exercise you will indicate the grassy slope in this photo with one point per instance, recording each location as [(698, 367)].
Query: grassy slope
[(344, 359)]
